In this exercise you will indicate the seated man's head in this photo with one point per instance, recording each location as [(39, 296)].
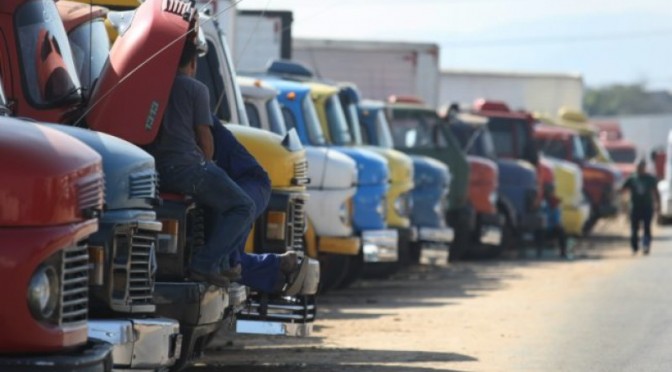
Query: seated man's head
[(188, 60)]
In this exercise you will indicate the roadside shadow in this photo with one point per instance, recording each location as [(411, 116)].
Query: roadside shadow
[(330, 359)]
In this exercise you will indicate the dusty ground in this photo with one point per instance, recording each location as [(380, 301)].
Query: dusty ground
[(500, 315)]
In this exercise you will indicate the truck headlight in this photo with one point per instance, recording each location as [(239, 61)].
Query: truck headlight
[(492, 198), (275, 225), (403, 204), (344, 213), (43, 292)]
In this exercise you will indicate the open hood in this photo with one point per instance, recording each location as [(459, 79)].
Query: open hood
[(142, 64)]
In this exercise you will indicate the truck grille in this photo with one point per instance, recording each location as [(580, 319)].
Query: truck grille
[(297, 225), (142, 268), (91, 193), (143, 185), (300, 173), (75, 285)]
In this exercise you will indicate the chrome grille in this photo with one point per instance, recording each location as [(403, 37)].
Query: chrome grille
[(297, 225), (91, 192), (143, 185), (142, 268), (75, 285), (301, 173)]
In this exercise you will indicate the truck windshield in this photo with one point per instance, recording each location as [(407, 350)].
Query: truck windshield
[(554, 148), (90, 49), (383, 131), (336, 122), (416, 129), (623, 155), (49, 74), (474, 140), (315, 134), (275, 117), (355, 126), (510, 136)]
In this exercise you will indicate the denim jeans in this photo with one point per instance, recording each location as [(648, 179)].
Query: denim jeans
[(640, 215), (233, 211)]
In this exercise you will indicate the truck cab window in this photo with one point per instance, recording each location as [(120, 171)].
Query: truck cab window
[(290, 120), (253, 115), (336, 121), (49, 74), (275, 116), (207, 72), (383, 131), (554, 148), (90, 49), (313, 127)]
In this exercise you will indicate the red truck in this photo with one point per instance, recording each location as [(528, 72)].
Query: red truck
[(50, 200)]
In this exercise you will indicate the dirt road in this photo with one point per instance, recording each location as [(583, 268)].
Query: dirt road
[(510, 314)]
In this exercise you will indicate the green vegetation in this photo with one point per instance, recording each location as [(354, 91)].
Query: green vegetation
[(632, 99)]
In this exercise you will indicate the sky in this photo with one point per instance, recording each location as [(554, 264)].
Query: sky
[(607, 41)]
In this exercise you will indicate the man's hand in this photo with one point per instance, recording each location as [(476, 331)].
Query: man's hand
[(205, 140)]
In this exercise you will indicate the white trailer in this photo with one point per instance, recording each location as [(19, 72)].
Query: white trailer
[(539, 92), (261, 36), (379, 69)]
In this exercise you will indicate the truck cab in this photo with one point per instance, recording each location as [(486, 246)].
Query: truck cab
[(598, 180), (624, 155), (50, 203), (333, 177), (431, 180), (121, 293), (519, 168), (472, 210), (378, 244), (665, 184)]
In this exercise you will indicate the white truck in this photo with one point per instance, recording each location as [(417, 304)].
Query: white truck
[(537, 92), (665, 187), (380, 69)]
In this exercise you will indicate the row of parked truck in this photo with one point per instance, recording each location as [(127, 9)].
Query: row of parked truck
[(359, 187)]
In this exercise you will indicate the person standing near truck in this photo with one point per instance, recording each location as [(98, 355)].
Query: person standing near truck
[(643, 190)]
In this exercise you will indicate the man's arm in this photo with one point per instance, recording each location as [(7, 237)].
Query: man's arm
[(656, 197), (625, 186), (205, 141)]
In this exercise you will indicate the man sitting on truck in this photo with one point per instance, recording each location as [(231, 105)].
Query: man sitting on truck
[(184, 151)]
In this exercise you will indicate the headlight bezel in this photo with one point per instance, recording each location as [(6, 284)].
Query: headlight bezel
[(43, 293)]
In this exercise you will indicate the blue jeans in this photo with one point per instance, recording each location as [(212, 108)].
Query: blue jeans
[(233, 211), (640, 215)]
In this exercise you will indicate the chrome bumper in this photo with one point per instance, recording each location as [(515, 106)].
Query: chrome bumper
[(491, 235), (260, 327), (140, 343), (380, 245), (436, 234)]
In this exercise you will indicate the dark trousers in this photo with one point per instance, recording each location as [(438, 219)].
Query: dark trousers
[(233, 209), (638, 216)]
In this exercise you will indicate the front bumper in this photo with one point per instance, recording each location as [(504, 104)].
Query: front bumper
[(439, 235), (348, 246), (380, 245), (95, 356), (574, 217), (140, 343)]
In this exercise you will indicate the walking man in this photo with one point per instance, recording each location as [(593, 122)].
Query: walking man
[(643, 190)]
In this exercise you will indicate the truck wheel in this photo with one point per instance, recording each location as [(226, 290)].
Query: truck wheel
[(333, 270), (414, 253), (355, 267), (458, 247)]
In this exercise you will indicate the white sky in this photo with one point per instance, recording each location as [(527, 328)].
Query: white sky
[(605, 40)]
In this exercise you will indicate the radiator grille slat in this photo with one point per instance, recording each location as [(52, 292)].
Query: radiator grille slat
[(75, 285), (143, 184), (141, 276), (91, 192)]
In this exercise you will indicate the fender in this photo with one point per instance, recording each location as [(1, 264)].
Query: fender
[(504, 205)]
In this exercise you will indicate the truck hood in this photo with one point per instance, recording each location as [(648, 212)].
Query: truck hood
[(482, 171), (516, 172), (330, 169), (401, 165), (372, 169), (42, 185), (130, 176), (626, 169), (429, 172), (270, 151), (600, 173), (568, 180)]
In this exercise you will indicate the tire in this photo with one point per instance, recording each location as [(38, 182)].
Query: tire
[(333, 270), (414, 253), (354, 272)]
